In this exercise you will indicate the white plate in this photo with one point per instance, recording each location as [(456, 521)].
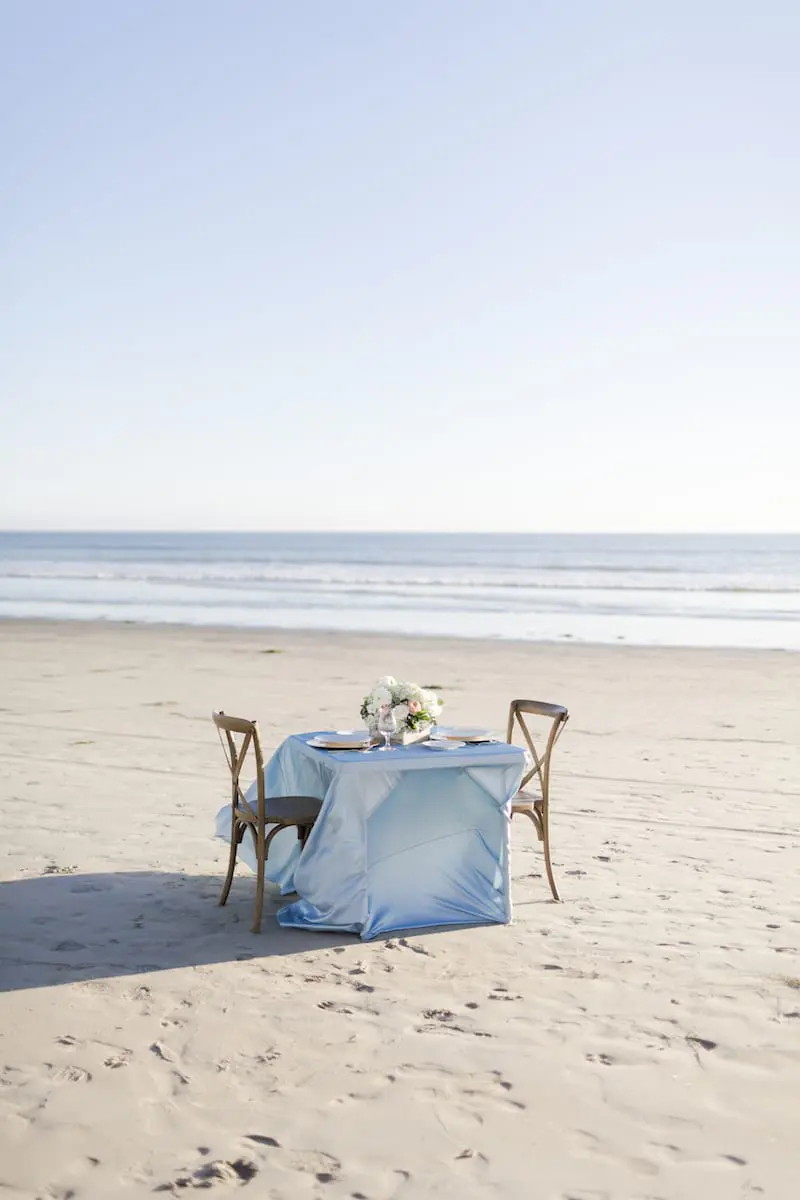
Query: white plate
[(444, 744), (463, 735), (341, 740)]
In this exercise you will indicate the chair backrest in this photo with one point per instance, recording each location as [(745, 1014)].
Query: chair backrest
[(239, 737), (557, 716)]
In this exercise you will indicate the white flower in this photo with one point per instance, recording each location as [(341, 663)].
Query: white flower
[(406, 700), (381, 696)]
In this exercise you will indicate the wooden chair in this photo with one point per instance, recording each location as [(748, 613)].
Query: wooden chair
[(537, 808), (280, 812)]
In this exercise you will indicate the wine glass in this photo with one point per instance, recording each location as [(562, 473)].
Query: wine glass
[(387, 725)]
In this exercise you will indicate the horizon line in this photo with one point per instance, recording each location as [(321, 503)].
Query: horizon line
[(161, 532)]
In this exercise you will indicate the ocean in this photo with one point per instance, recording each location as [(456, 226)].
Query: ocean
[(698, 590)]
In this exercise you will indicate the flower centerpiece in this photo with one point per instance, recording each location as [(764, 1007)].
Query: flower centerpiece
[(415, 708)]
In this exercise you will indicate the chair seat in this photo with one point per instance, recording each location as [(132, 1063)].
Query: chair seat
[(304, 810), (524, 801)]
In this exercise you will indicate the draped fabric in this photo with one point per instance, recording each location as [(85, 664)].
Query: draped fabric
[(406, 839)]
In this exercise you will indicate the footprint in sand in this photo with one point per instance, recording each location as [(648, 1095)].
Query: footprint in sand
[(438, 1019), (143, 996), (171, 1023), (120, 1058), (238, 1170), (269, 1056), (346, 1010), (470, 1153), (358, 986), (69, 1074), (483, 1088), (163, 1052), (115, 1061), (703, 1043), (323, 1167), (405, 944)]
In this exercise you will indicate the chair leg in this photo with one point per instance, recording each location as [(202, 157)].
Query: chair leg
[(259, 895), (262, 860), (545, 818), (236, 837)]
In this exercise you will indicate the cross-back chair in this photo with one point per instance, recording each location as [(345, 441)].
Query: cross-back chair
[(240, 739), (537, 808)]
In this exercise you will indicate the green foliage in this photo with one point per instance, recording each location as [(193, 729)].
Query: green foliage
[(423, 717)]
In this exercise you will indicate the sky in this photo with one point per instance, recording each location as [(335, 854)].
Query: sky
[(430, 265)]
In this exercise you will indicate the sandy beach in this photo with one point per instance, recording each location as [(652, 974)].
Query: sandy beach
[(640, 1040)]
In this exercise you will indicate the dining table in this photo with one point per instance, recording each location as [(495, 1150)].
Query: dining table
[(409, 837)]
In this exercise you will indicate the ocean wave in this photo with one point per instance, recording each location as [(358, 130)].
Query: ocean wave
[(342, 581), (723, 591)]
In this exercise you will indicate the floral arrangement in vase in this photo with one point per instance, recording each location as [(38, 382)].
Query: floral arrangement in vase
[(415, 708)]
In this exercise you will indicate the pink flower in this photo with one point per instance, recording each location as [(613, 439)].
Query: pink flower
[(414, 706)]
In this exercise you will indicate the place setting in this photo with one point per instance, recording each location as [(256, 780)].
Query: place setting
[(342, 739), (398, 715), (449, 737), (441, 738)]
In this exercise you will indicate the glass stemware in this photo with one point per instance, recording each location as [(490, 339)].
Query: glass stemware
[(387, 725)]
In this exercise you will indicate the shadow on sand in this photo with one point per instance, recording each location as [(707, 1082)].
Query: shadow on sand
[(64, 928)]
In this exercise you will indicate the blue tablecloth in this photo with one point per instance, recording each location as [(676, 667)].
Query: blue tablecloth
[(406, 838)]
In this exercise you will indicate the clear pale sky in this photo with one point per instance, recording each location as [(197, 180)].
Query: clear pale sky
[(428, 264)]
